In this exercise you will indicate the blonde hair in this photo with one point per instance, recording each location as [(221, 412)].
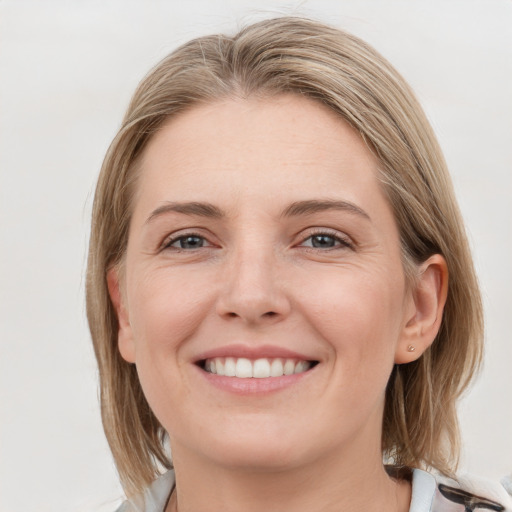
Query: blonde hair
[(295, 55)]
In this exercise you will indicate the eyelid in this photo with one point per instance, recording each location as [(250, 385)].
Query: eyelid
[(344, 240), (174, 237)]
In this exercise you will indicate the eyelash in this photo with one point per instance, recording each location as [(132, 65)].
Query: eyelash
[(343, 242), (168, 244)]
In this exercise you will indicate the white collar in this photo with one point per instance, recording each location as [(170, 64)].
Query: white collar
[(423, 491), (154, 497)]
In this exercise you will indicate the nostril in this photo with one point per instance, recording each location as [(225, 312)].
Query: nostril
[(270, 314)]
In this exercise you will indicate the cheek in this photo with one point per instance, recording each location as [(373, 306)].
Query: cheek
[(167, 309), (359, 315)]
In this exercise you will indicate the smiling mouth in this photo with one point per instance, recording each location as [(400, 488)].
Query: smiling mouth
[(243, 368)]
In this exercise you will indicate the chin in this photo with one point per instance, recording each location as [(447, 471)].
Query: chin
[(258, 456), (253, 446)]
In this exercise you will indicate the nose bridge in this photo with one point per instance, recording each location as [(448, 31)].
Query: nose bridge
[(252, 290)]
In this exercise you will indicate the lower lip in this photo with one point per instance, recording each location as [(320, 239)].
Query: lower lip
[(253, 386)]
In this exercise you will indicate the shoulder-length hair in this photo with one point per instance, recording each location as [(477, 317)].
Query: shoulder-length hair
[(299, 56)]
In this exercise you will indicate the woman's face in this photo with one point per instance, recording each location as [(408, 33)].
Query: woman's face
[(261, 245)]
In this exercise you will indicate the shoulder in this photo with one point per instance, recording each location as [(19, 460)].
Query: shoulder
[(434, 493), (154, 498)]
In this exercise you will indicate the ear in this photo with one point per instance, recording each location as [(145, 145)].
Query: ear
[(425, 313), (125, 340)]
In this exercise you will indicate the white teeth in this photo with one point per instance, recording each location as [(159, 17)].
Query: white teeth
[(244, 368), (276, 368), (289, 367), (219, 366), (229, 367), (261, 369), (301, 366)]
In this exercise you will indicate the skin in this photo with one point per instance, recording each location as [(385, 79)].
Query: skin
[(254, 279)]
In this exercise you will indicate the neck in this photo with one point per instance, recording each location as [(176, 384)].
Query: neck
[(331, 485)]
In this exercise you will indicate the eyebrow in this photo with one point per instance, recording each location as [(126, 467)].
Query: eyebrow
[(190, 208), (297, 208), (312, 206)]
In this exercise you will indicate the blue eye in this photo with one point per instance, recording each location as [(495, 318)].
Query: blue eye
[(188, 242), (325, 241)]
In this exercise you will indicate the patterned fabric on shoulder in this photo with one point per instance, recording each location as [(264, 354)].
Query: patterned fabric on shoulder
[(469, 493)]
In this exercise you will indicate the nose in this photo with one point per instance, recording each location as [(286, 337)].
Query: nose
[(253, 290)]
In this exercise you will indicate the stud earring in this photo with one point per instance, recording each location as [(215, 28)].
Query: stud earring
[(411, 348)]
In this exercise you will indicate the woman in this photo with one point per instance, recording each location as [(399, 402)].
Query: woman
[(280, 291)]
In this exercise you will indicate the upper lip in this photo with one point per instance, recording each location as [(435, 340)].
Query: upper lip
[(253, 352)]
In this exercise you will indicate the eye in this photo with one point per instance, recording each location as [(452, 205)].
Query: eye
[(187, 242), (326, 241)]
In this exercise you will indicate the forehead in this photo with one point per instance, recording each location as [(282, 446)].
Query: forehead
[(286, 141)]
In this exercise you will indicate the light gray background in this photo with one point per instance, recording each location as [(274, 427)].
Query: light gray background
[(67, 71)]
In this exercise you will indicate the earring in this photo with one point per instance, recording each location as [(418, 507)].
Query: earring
[(411, 348)]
